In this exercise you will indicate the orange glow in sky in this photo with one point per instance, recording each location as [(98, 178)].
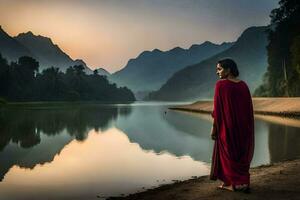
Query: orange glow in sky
[(108, 33)]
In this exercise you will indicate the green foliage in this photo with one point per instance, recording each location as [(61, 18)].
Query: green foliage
[(263, 90), (21, 82), (283, 77), (295, 51)]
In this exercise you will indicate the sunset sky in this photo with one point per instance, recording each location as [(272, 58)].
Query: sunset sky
[(107, 33)]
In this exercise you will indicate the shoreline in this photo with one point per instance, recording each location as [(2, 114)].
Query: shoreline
[(277, 106), (274, 181)]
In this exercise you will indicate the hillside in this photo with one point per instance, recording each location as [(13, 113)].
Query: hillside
[(197, 81), (10, 48), (47, 53)]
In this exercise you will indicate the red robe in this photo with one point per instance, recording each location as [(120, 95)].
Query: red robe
[(234, 146)]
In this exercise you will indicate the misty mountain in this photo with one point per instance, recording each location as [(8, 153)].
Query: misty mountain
[(10, 48), (197, 81), (47, 53), (151, 69)]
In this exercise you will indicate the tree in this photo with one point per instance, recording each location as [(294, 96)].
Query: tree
[(282, 74), (20, 81), (29, 66), (4, 77), (50, 82)]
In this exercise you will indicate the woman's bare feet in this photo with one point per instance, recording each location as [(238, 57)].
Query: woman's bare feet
[(226, 187)]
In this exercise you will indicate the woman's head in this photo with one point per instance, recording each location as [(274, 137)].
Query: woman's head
[(226, 67)]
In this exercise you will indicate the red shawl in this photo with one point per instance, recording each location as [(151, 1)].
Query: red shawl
[(234, 146)]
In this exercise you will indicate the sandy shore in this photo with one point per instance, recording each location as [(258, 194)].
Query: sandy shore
[(277, 181), (286, 107)]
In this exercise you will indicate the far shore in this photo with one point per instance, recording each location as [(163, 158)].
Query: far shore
[(279, 106), (59, 103)]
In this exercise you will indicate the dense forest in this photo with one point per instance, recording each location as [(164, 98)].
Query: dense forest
[(283, 74), (21, 81)]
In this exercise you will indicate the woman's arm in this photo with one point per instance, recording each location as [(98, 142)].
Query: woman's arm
[(216, 110)]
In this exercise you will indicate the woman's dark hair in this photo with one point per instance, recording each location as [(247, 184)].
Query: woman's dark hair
[(228, 63)]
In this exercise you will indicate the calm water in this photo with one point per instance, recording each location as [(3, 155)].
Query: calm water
[(87, 151)]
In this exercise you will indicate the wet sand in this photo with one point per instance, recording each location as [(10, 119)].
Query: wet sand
[(285, 107), (279, 181)]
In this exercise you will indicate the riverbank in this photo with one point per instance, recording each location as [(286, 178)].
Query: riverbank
[(277, 181), (281, 106)]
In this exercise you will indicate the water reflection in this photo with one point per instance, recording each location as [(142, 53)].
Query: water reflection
[(150, 128), (284, 142), (34, 136), (117, 149), (105, 164), (23, 126)]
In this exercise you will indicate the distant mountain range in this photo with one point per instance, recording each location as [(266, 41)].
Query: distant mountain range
[(177, 74), (151, 69), (197, 81), (39, 47)]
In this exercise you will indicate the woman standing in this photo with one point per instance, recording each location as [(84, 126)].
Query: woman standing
[(233, 129)]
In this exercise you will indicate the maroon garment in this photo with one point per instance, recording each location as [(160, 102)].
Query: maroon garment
[(234, 146)]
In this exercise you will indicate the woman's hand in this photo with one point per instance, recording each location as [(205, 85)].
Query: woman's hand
[(213, 133)]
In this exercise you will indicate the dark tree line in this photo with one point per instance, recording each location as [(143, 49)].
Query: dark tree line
[(21, 81), (283, 73)]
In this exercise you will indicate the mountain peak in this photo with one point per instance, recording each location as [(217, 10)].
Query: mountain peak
[(227, 43), (29, 33), (251, 34), (144, 53), (79, 62), (177, 49), (10, 48), (156, 51), (31, 36), (207, 43)]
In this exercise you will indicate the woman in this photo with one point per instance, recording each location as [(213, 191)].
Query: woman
[(233, 129)]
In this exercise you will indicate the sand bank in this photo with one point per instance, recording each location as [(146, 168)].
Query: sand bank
[(285, 107)]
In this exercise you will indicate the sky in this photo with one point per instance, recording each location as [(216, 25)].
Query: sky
[(107, 33)]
